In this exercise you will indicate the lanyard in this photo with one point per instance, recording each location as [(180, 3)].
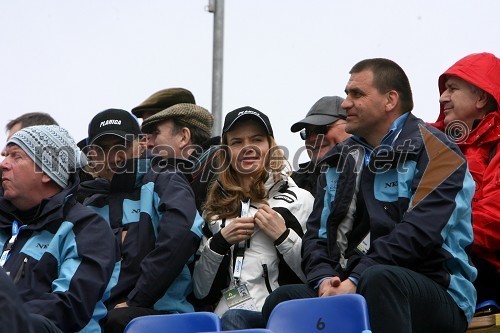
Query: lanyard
[(240, 247), (238, 263), (6, 252)]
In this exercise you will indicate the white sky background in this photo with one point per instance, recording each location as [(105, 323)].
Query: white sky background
[(73, 58)]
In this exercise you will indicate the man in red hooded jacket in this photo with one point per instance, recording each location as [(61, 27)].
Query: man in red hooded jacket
[(470, 98)]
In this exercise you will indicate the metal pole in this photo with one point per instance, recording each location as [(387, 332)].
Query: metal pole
[(217, 7)]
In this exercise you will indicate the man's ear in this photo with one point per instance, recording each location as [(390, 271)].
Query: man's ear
[(392, 100), (143, 141), (140, 145), (482, 100), (46, 179), (185, 137)]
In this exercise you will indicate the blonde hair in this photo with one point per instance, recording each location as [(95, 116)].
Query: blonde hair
[(225, 193)]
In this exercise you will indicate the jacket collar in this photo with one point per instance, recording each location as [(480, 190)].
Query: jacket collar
[(407, 129), (487, 130)]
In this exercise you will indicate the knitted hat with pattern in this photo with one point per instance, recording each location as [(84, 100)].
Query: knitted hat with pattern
[(53, 149)]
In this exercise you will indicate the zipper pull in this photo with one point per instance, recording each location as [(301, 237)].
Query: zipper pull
[(20, 272)]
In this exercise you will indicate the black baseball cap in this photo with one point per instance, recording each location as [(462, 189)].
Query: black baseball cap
[(113, 122), (246, 112), (325, 111)]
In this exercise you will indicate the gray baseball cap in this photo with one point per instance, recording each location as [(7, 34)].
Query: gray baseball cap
[(325, 111)]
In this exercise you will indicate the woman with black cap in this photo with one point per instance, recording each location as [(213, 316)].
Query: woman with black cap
[(255, 216)]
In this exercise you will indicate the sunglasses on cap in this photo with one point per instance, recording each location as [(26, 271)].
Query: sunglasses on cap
[(307, 132)]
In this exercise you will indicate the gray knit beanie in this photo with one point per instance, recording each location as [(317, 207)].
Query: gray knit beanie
[(53, 149)]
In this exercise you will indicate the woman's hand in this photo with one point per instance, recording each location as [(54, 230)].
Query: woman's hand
[(270, 222), (240, 229)]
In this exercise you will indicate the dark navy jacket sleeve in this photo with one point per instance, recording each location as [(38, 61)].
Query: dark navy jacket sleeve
[(177, 239), (316, 260)]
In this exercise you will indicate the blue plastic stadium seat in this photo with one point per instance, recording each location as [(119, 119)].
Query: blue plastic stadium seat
[(487, 307), (249, 330), (342, 313), (175, 323)]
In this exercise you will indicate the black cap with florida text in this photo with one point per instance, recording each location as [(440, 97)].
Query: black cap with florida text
[(114, 122), (246, 112)]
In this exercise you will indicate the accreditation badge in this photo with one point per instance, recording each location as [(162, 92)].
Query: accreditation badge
[(239, 298)]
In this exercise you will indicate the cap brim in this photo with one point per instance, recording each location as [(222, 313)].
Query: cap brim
[(138, 112), (228, 127), (316, 120), (148, 126), (121, 134), (82, 143)]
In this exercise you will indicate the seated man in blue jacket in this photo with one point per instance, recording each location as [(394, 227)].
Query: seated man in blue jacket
[(151, 207), (59, 254), (392, 216)]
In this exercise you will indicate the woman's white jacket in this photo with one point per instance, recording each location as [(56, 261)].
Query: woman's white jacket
[(264, 263)]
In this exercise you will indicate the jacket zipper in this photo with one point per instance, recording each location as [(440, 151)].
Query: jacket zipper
[(20, 272), (265, 275)]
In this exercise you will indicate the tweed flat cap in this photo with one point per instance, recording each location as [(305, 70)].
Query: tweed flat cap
[(188, 113), (163, 99)]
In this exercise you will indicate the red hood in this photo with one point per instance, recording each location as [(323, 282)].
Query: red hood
[(480, 69)]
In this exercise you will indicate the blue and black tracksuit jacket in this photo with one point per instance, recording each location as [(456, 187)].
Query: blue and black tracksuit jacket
[(62, 261), (155, 205), (414, 205)]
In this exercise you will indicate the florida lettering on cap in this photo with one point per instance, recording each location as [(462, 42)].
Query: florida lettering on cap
[(110, 122)]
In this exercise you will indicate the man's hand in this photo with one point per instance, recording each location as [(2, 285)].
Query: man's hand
[(121, 305), (346, 287), (333, 286), (328, 286)]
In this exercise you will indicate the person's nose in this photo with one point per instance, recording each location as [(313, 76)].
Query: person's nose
[(445, 97), (248, 149), (346, 104), (150, 141), (4, 164), (311, 139)]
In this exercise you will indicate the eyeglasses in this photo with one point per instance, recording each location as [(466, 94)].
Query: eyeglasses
[(307, 132)]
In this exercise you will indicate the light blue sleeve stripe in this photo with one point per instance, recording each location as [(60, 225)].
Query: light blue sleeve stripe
[(458, 235), (149, 204), (332, 177), (68, 253), (197, 227)]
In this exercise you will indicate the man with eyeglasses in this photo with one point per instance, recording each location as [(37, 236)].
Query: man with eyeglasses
[(321, 129)]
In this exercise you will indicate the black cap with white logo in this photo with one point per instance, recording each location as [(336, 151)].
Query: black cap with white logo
[(246, 112), (113, 122)]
